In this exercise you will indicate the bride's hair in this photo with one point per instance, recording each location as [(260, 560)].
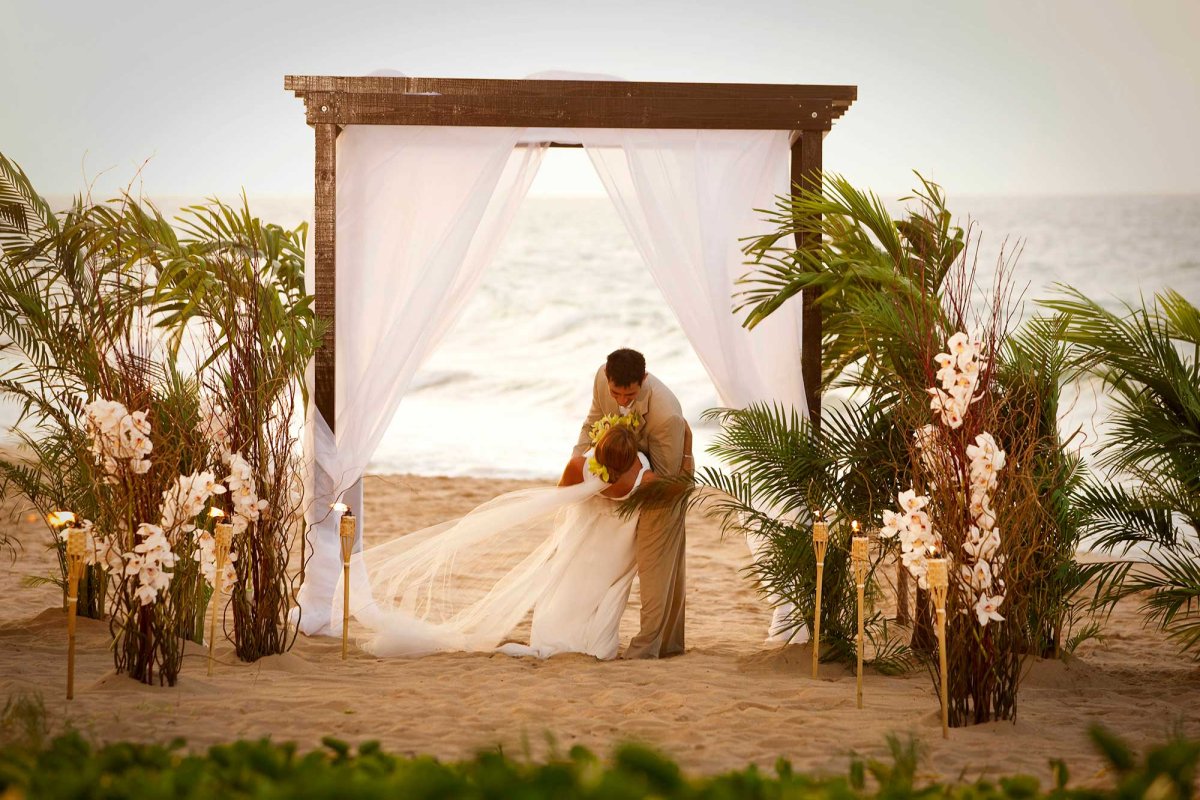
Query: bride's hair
[(617, 450)]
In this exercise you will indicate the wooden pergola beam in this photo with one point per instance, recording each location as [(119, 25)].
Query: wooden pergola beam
[(525, 111), (558, 89), (568, 104)]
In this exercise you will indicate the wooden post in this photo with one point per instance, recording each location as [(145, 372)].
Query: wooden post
[(324, 244), (806, 172), (325, 261)]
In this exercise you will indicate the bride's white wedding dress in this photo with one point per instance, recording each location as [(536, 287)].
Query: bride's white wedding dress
[(562, 553)]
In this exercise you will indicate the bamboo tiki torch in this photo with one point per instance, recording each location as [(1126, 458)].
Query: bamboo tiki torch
[(859, 558), (76, 547), (222, 538), (820, 534), (938, 578), (346, 532)]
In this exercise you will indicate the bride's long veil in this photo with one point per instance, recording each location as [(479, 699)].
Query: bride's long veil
[(464, 584)]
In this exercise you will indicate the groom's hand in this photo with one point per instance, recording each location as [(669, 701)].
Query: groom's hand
[(689, 465)]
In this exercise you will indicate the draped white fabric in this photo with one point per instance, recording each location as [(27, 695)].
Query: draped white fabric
[(420, 212), (687, 197)]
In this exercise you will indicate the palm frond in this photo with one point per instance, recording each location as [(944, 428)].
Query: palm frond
[(1147, 356), (1171, 577), (25, 217)]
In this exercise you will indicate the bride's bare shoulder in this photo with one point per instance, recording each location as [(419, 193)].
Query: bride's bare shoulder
[(573, 472)]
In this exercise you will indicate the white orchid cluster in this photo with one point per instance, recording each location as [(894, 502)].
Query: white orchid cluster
[(918, 540), (206, 554), (150, 561), (958, 371), (247, 507), (186, 500), (215, 426), (182, 504), (980, 572), (118, 435), (214, 422)]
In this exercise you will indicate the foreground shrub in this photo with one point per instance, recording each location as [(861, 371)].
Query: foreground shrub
[(71, 767)]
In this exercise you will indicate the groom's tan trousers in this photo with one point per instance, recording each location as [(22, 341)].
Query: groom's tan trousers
[(660, 561)]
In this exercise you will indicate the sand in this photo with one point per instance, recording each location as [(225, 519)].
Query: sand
[(729, 701)]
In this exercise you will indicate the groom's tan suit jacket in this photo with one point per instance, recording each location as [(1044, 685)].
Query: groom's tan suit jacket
[(664, 437)]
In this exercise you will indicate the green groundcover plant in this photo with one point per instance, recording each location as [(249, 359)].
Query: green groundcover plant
[(70, 767)]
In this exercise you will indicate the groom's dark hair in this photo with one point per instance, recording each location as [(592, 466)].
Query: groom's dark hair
[(625, 367)]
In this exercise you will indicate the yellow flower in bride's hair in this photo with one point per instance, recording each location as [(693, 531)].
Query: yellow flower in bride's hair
[(599, 428), (602, 425), (596, 468)]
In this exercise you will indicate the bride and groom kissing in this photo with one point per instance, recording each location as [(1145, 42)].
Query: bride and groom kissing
[(564, 552)]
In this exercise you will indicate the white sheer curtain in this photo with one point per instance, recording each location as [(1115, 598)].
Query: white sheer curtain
[(420, 212), (687, 197)]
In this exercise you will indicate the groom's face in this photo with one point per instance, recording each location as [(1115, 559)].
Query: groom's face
[(624, 395)]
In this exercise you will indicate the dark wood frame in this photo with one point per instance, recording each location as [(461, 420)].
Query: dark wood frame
[(334, 102)]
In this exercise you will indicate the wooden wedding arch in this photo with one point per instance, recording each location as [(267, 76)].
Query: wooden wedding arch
[(332, 102)]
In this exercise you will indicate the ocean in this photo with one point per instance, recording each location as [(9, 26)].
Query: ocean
[(506, 391)]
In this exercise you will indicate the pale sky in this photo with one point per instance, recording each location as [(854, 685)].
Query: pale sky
[(995, 97)]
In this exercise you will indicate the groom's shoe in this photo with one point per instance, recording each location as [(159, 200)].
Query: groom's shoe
[(650, 654)]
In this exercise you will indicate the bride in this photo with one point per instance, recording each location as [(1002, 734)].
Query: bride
[(563, 552)]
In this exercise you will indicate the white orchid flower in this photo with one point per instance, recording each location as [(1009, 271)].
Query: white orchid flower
[(911, 501), (146, 594), (958, 344), (986, 608)]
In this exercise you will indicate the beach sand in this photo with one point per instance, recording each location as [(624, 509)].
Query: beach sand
[(729, 701)]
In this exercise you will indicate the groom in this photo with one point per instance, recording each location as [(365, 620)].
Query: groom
[(623, 385)]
